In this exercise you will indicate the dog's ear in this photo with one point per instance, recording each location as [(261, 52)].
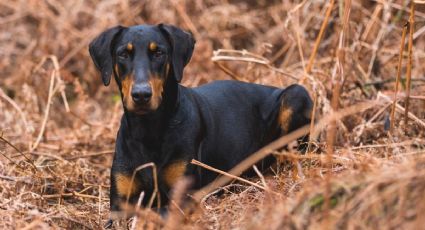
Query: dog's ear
[(182, 44), (101, 52)]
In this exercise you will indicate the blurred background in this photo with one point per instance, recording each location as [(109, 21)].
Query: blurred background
[(58, 122)]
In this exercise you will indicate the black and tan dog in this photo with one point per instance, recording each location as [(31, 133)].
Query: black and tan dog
[(219, 124)]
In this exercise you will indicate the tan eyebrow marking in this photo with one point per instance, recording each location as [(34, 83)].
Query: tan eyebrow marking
[(153, 46), (129, 46)]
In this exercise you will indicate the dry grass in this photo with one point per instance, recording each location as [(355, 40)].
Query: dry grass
[(58, 123)]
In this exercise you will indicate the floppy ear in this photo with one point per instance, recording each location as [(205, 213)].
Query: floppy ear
[(101, 53), (182, 44)]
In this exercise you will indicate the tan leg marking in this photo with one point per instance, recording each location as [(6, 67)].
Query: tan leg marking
[(124, 185), (285, 118), (173, 172)]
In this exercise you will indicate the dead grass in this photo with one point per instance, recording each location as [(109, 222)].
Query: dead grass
[(61, 122)]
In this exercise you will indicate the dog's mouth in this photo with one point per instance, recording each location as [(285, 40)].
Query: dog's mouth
[(140, 109)]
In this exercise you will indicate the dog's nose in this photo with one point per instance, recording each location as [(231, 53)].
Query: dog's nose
[(141, 94)]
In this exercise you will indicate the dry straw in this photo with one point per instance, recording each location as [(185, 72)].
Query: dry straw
[(59, 124)]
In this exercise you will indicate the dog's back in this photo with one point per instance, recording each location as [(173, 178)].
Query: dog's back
[(240, 118)]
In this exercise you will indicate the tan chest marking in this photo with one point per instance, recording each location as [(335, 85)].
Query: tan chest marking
[(285, 118), (124, 185), (173, 172)]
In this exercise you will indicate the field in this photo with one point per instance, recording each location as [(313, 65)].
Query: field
[(365, 168)]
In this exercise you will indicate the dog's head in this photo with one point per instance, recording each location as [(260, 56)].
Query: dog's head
[(142, 59)]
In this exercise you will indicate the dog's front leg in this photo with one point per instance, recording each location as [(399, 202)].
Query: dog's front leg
[(124, 190)]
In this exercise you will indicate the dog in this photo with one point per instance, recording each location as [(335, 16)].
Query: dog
[(219, 124)]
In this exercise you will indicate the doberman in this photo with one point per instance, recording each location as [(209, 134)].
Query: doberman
[(219, 124)]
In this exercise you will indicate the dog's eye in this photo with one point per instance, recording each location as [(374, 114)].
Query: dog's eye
[(123, 55)]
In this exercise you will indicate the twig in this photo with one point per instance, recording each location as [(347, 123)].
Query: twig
[(418, 97), (259, 174), (138, 205), (403, 110), (299, 45), (319, 37), (16, 106), (391, 145), (91, 154), (228, 71), (409, 63), (245, 56), (72, 220), (8, 158), (186, 19), (99, 187), (53, 88), (397, 82), (313, 117), (331, 132), (46, 113), (70, 194), (195, 162), (17, 150), (155, 179), (176, 214)]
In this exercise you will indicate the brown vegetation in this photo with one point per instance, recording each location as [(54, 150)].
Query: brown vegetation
[(58, 122)]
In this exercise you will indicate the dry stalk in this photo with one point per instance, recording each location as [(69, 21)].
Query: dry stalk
[(195, 162), (16, 106), (46, 113), (155, 180), (397, 82), (176, 214), (319, 37), (228, 71), (409, 63), (138, 205), (261, 176), (337, 87), (17, 150), (70, 194), (182, 12), (91, 154), (313, 118), (403, 110), (99, 188), (297, 29), (245, 56), (53, 88)]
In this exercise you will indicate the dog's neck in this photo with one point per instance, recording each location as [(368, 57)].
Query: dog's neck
[(151, 126)]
